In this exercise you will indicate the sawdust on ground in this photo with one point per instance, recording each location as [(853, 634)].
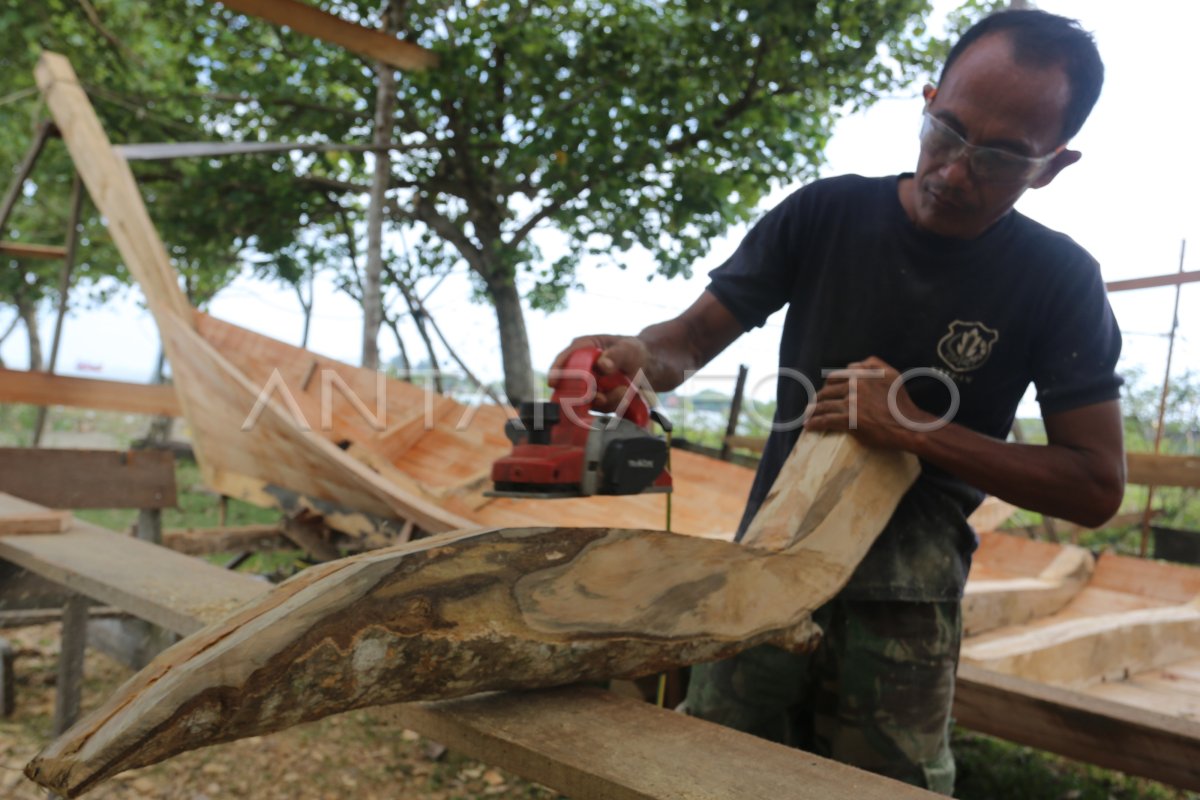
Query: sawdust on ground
[(360, 755)]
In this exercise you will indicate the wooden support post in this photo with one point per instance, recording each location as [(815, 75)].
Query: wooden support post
[(1162, 407), (308, 534), (735, 411), (8, 681), (64, 288), (149, 525), (70, 663)]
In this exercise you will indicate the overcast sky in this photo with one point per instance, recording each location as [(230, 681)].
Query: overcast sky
[(1129, 201)]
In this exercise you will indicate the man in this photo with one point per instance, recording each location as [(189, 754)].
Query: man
[(932, 272)]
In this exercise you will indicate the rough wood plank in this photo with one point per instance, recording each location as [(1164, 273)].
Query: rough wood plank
[(111, 185), (829, 486), (639, 752), (44, 389), (498, 609), (319, 24), (1090, 729), (89, 478), (69, 688), (35, 522), (1163, 470), (37, 251), (170, 589)]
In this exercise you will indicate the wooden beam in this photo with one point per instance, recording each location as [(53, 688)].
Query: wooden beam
[(319, 24), (35, 522), (1174, 279), (42, 389), (143, 479), (1090, 729), (477, 611), (601, 746), (152, 583), (110, 183), (1161, 470), (46, 252)]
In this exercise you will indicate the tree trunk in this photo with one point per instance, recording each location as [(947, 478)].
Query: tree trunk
[(28, 311), (385, 104), (514, 341)]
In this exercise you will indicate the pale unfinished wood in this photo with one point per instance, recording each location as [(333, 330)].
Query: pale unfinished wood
[(1081, 651), (314, 22), (44, 389), (45, 252), (991, 514), (639, 752), (831, 482), (1018, 580), (35, 522), (1153, 469), (110, 184), (470, 612)]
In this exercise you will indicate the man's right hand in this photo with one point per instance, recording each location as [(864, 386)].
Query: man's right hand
[(626, 354)]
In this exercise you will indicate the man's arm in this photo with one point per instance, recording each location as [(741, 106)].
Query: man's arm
[(666, 352), (1079, 475)]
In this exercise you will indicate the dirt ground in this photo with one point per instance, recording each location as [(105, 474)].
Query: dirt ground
[(360, 755)]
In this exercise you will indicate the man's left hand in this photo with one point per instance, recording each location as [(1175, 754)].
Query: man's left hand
[(855, 399)]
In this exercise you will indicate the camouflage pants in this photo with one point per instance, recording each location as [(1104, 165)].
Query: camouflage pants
[(875, 694)]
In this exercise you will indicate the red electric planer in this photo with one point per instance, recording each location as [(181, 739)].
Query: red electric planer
[(564, 449)]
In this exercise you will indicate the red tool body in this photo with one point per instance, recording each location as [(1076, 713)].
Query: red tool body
[(564, 449)]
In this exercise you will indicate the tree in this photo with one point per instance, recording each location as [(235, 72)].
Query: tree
[(615, 124), (622, 123)]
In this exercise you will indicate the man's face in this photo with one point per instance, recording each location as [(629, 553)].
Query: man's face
[(990, 101)]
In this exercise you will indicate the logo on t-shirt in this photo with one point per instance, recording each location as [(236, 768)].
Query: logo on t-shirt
[(967, 345)]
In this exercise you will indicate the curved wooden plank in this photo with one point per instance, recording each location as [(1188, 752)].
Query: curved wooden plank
[(994, 602), (497, 609), (1082, 651), (479, 611)]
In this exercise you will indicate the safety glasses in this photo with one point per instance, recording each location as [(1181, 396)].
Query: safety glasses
[(943, 143)]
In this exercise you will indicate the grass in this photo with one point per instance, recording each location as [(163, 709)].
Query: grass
[(989, 768)]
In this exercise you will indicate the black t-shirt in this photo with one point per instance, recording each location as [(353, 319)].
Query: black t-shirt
[(1020, 303)]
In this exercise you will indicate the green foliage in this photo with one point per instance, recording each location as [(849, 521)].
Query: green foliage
[(990, 768), (620, 124)]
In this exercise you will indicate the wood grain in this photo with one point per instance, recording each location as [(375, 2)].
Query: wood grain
[(44, 389), (498, 609), (319, 24)]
